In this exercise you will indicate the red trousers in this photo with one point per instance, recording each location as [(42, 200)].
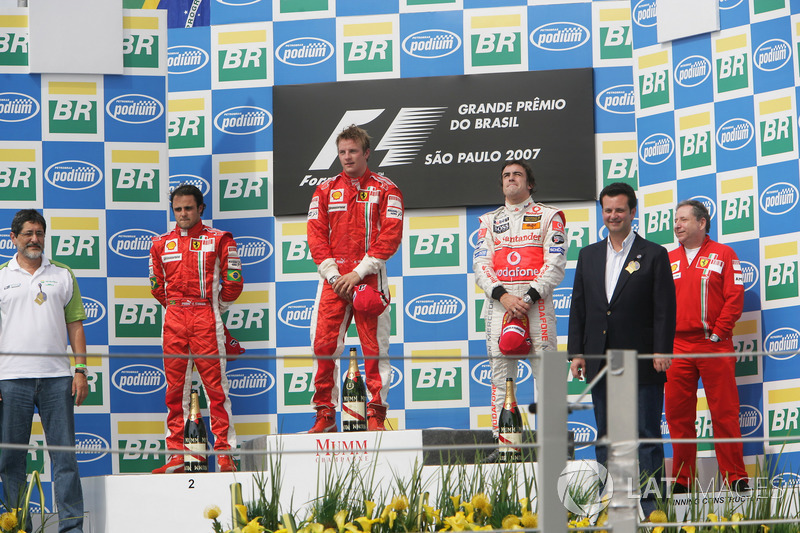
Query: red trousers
[(680, 400)]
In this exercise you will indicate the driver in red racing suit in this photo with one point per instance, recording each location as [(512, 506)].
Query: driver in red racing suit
[(195, 273), (355, 223), (518, 262)]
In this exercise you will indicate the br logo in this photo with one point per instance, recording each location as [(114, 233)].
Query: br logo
[(591, 481)]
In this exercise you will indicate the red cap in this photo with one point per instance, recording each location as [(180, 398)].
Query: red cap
[(232, 346), (515, 337), (369, 300)]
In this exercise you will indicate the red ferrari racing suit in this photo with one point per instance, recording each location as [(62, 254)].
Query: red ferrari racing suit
[(710, 296), (353, 225), (519, 247), (196, 274)]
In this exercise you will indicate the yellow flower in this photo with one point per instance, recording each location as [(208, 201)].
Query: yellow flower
[(764, 528), (457, 522), (689, 529), (316, 527), (658, 529), (529, 520), (481, 502), (658, 516), (253, 526), (392, 518), (340, 518), (431, 514), (400, 503), (511, 522), (370, 506), (241, 510), (456, 501), (329, 530), (366, 523), (524, 503), (8, 521), (211, 512)]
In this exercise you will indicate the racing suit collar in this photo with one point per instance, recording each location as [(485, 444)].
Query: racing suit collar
[(520, 207), (360, 179), (194, 231)]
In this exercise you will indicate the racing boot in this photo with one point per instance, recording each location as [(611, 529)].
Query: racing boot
[(326, 421), (173, 466), (225, 464), (376, 416)]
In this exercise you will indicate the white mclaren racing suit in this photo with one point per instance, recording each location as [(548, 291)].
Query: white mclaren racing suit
[(521, 249)]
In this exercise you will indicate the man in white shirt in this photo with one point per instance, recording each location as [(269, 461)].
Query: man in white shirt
[(40, 309)]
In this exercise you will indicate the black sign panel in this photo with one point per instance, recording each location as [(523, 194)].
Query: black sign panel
[(442, 140)]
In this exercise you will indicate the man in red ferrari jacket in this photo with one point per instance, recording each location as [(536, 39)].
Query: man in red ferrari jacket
[(355, 223), (710, 293), (195, 273)]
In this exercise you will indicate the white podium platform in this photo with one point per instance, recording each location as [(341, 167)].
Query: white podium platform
[(138, 502)]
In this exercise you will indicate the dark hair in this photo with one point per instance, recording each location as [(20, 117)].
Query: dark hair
[(187, 189), (354, 133), (699, 211), (27, 215), (617, 188), (523, 164)]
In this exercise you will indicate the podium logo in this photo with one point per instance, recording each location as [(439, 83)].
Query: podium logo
[(139, 379), (778, 198), (431, 44), (584, 434), (87, 446), (185, 59), (559, 36), (135, 176), (749, 274), (749, 419), (436, 384), (7, 248), (76, 242), (72, 107), (17, 107), (177, 180), (73, 175), (297, 314), (253, 250), (132, 243), (142, 446), (782, 343), (17, 176), (692, 71), (248, 382), (786, 480), (656, 149), (644, 13), (562, 300), (243, 120), (14, 44), (783, 414), (298, 387), (619, 99), (482, 373), (695, 139), (95, 311), (138, 320), (735, 134), (498, 41), (435, 308), (304, 51), (240, 56), (297, 255), (772, 55), (135, 108)]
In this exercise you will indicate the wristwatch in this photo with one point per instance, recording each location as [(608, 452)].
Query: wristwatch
[(334, 278), (527, 298), (714, 337), (80, 371)]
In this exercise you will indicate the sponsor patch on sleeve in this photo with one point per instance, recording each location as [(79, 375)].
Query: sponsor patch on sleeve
[(738, 278), (556, 250), (481, 233), (233, 251), (557, 225), (234, 275), (558, 239), (480, 252), (394, 201), (234, 263), (313, 214), (314, 202), (737, 266), (393, 212)]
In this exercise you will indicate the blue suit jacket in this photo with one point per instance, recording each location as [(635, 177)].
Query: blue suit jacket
[(640, 315)]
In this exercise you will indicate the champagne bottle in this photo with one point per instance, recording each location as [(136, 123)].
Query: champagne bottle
[(510, 423), (354, 398), (195, 438)]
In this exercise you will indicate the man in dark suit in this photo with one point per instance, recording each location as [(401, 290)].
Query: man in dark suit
[(624, 298)]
